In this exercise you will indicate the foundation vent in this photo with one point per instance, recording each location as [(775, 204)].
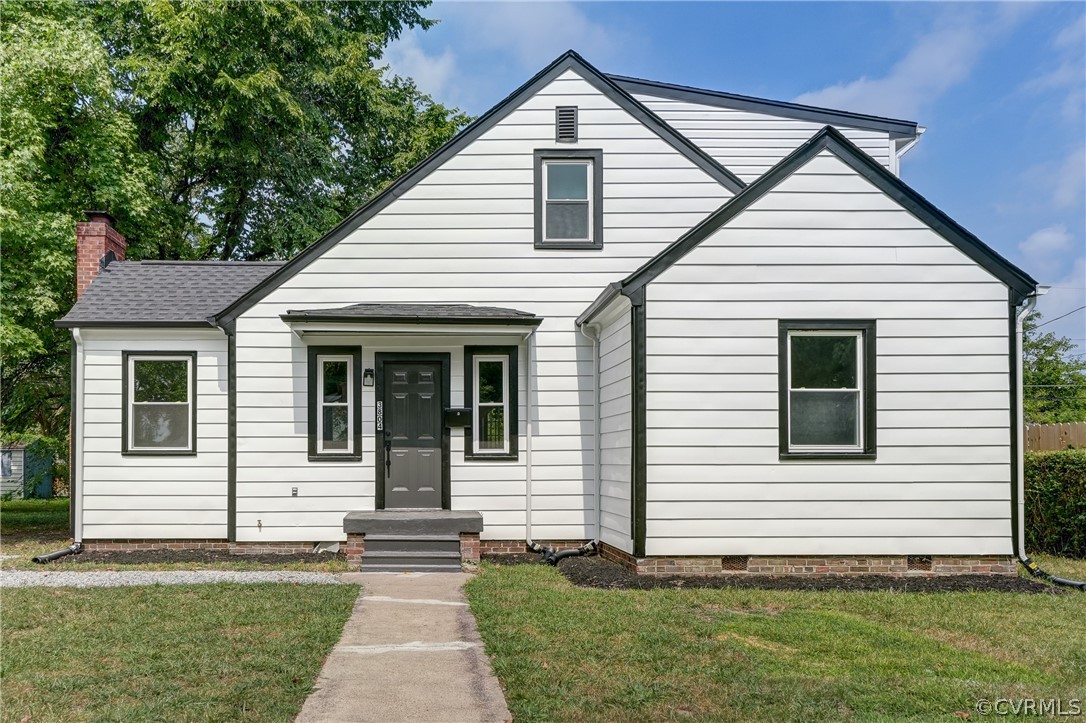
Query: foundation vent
[(734, 563), (919, 563), (565, 123)]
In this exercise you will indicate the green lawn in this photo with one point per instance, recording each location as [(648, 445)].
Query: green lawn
[(192, 653), (566, 653), (34, 517)]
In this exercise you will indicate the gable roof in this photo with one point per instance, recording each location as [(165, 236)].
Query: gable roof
[(417, 313), (164, 293), (896, 128), (569, 60), (828, 139)]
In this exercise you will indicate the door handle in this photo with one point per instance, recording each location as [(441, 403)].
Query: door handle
[(388, 455)]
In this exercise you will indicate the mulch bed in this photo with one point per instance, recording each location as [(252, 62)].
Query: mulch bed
[(595, 572), (139, 557)]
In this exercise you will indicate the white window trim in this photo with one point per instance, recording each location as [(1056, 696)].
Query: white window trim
[(476, 427), (859, 389), (321, 404), (132, 359), (547, 200)]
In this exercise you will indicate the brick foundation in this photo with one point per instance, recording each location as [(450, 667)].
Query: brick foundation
[(356, 545), (519, 547), (469, 547), (234, 548), (896, 566)]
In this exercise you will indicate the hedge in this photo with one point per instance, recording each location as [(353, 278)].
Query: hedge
[(1056, 502)]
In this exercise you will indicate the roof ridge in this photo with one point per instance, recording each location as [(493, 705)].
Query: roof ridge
[(800, 111)]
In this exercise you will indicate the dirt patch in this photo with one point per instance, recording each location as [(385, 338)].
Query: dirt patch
[(142, 557), (599, 573)]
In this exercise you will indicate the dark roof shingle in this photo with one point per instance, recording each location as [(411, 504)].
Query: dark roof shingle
[(165, 293)]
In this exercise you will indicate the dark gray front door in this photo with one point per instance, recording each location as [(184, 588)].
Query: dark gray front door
[(413, 460)]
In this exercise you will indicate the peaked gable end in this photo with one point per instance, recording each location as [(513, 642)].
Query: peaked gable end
[(830, 140), (569, 61)]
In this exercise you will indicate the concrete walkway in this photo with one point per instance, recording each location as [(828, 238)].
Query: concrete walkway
[(409, 652)]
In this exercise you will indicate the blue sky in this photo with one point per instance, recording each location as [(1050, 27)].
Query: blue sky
[(1000, 88)]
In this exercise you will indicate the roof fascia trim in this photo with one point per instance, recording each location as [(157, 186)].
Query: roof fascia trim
[(567, 61), (895, 127), (132, 324), (459, 320), (829, 138)]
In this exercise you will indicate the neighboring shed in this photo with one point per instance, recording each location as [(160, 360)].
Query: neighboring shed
[(27, 470)]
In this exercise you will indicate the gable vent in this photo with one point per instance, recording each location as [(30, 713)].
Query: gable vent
[(565, 123)]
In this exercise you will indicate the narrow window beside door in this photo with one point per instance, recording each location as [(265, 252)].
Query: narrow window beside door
[(335, 401), (827, 389), (491, 393), (159, 403)]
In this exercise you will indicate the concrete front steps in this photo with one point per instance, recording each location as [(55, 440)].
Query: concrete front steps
[(410, 540), (411, 553)]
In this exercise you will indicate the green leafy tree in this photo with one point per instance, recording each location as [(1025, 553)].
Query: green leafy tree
[(210, 129), (1054, 379)]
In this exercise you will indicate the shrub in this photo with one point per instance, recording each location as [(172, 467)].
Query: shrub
[(1056, 502)]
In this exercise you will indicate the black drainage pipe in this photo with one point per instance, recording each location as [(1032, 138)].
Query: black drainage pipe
[(555, 557), (74, 549), (1036, 571)]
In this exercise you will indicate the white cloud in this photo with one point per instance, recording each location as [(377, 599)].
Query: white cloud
[(431, 73), (1067, 293), (1046, 241), (1071, 180), (537, 32), (938, 61), (1067, 76)]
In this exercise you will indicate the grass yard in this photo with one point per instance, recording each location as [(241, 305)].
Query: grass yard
[(26, 518), (567, 653), (192, 653)]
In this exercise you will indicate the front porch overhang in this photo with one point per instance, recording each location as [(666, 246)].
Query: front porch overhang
[(415, 319)]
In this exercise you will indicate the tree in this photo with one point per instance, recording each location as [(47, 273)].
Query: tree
[(210, 129), (1054, 381)]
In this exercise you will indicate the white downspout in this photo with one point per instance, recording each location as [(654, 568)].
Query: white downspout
[(77, 435), (595, 338), (529, 407), (1020, 419)]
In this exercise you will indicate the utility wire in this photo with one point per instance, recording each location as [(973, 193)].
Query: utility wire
[(1060, 317)]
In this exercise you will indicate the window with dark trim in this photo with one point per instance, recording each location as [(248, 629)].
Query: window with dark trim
[(158, 402), (569, 199), (827, 389), (335, 403), (490, 392)]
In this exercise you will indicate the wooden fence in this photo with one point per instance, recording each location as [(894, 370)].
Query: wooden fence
[(1046, 437)]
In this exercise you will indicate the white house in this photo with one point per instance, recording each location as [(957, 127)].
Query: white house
[(706, 331)]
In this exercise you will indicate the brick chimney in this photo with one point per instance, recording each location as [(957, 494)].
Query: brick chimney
[(97, 243)]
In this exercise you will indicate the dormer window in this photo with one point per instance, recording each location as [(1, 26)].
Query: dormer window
[(568, 197)]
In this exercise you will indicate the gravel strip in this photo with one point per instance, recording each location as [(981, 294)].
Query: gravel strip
[(23, 578)]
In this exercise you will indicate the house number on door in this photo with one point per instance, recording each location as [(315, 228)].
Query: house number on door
[(380, 416)]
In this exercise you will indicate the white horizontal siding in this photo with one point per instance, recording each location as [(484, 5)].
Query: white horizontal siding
[(941, 480), (749, 144), (134, 496), (616, 431), (464, 234)]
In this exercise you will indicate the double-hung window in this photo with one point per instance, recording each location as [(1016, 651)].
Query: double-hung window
[(568, 197), (490, 388), (335, 403), (827, 389), (159, 400)]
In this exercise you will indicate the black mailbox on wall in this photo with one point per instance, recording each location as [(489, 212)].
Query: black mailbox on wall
[(457, 417)]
